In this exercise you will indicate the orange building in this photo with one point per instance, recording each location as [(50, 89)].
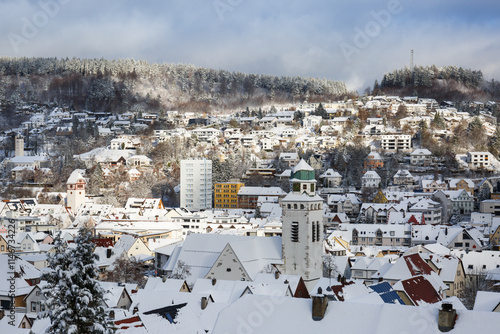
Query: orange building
[(373, 161), (226, 195)]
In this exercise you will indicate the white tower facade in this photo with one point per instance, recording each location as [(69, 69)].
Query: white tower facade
[(303, 226), (196, 184), (19, 146), (75, 190)]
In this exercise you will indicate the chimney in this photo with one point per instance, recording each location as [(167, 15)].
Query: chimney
[(447, 317), (204, 302), (276, 274), (319, 305), (108, 252), (214, 280)]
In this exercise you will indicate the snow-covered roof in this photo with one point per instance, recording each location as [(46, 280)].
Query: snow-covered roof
[(330, 173), (343, 317), (261, 191), (486, 301), (421, 151), (302, 165), (201, 251)]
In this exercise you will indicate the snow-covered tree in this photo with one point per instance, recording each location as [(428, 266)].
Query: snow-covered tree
[(75, 301)]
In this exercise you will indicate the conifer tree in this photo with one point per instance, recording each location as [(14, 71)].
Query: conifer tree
[(75, 300)]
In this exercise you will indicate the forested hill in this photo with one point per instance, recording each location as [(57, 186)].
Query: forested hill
[(121, 85), (442, 83)]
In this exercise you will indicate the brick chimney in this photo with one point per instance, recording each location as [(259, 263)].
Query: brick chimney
[(319, 305), (447, 317)]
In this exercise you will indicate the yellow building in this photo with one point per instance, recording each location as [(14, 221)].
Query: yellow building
[(226, 195)]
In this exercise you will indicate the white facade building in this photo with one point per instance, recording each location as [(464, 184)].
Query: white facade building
[(75, 190), (396, 142), (478, 160), (370, 180), (196, 184)]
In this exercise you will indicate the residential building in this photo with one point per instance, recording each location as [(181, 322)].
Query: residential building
[(477, 160), (430, 209), (373, 160), (395, 142), (196, 184), (421, 157), (248, 196), (370, 179), (226, 194), (403, 178)]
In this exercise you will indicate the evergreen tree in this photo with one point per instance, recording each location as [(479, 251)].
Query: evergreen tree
[(321, 111), (74, 298), (438, 121)]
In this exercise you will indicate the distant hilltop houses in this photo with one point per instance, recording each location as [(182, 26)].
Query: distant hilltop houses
[(293, 217)]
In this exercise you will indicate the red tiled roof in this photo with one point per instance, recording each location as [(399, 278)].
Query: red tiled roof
[(129, 322), (338, 290), (417, 265), (419, 290)]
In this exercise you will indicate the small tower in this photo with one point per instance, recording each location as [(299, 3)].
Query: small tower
[(303, 226), (75, 190), (19, 146)]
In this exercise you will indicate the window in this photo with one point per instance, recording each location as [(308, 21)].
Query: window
[(33, 306), (295, 232), (317, 231)]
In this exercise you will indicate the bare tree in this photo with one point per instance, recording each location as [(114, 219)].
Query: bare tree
[(126, 270), (475, 280), (181, 271)]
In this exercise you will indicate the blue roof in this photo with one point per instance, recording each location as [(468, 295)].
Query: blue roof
[(381, 287), (388, 295)]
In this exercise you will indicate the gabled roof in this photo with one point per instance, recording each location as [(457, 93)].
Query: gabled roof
[(330, 173), (201, 251), (421, 151), (408, 266), (419, 290), (294, 316), (487, 301)]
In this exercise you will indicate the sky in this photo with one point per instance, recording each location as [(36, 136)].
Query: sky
[(354, 41)]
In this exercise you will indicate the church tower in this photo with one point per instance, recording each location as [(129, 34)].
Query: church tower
[(75, 190), (303, 226)]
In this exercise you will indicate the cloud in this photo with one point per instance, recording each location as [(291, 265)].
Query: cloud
[(269, 37)]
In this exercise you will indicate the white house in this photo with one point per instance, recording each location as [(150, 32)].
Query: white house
[(370, 179)]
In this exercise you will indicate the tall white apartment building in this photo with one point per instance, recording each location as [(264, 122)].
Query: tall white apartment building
[(196, 184)]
